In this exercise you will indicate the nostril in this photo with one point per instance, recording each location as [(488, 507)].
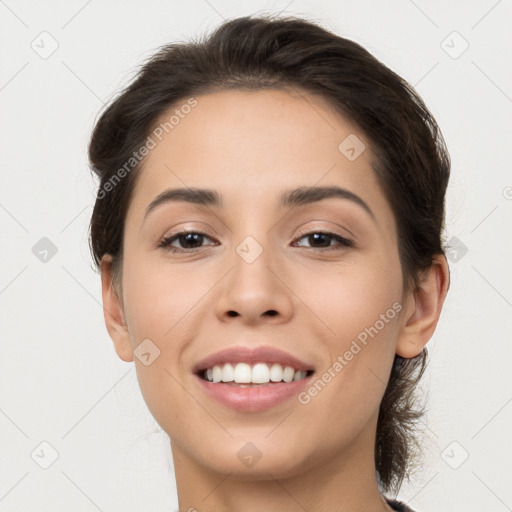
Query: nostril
[(232, 313), (272, 312)]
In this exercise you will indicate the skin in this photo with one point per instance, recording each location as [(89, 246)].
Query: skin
[(250, 146)]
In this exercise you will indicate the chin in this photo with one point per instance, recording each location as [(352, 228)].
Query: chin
[(256, 460)]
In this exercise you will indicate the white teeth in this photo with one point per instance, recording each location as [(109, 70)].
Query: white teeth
[(243, 373), (276, 373), (259, 373), (228, 373), (217, 374), (288, 374)]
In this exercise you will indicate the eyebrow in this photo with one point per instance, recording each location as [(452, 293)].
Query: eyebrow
[(289, 198)]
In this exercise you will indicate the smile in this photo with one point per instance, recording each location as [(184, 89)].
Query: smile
[(252, 379), (256, 374)]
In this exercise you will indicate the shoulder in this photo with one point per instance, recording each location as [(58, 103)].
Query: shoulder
[(399, 506)]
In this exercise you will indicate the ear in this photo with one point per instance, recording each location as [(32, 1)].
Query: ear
[(113, 312), (423, 308)]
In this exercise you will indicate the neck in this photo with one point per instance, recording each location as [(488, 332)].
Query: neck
[(342, 481)]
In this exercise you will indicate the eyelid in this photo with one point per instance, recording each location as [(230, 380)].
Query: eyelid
[(332, 230)]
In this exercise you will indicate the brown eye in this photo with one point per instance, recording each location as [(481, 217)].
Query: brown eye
[(188, 240), (321, 240)]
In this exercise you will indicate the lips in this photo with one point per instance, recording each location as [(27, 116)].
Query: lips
[(253, 394)]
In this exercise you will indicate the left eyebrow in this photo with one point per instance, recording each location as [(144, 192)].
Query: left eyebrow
[(307, 195), (289, 198)]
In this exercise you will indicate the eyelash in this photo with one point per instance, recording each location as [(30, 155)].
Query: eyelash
[(343, 242)]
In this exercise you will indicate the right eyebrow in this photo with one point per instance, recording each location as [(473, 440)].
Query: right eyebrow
[(199, 196)]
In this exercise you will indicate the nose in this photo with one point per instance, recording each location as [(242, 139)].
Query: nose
[(255, 291)]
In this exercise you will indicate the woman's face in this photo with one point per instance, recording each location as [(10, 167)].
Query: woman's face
[(256, 279)]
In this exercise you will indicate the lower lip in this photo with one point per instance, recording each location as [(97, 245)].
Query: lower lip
[(253, 398)]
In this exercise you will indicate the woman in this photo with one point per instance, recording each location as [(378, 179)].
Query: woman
[(268, 230)]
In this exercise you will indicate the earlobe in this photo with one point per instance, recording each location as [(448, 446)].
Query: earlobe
[(113, 312), (424, 309)]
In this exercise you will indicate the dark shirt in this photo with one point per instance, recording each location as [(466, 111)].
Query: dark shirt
[(399, 506)]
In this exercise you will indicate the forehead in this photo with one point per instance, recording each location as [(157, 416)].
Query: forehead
[(251, 143), (284, 122)]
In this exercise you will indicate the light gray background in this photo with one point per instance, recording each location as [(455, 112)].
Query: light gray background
[(61, 381)]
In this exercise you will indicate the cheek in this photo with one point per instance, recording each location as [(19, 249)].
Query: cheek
[(159, 307), (361, 307), (159, 298), (353, 297)]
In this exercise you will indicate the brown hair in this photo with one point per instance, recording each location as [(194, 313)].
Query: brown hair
[(411, 159)]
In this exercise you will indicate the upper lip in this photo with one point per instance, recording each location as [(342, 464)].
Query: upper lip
[(261, 354)]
